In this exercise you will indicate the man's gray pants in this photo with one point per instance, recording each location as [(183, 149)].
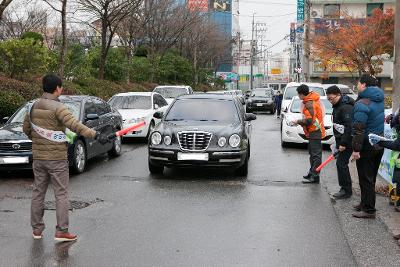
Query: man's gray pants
[(56, 172), (315, 151)]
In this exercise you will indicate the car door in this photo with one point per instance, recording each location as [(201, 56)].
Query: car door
[(105, 121), (92, 145)]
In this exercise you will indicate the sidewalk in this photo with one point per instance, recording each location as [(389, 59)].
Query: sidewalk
[(386, 212)]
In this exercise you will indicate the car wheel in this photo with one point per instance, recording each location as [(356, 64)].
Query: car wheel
[(116, 148), (151, 128), (244, 169), (79, 158), (155, 169)]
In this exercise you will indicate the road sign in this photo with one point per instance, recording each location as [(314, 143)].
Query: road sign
[(300, 15)]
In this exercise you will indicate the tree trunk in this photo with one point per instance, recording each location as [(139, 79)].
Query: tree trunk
[(3, 5), (64, 37), (103, 54), (195, 73), (396, 65)]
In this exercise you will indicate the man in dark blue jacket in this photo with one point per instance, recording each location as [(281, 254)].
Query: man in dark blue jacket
[(278, 104), (368, 117)]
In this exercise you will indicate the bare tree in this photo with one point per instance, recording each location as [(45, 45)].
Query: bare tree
[(60, 6), (3, 5), (164, 25), (14, 24), (204, 45), (109, 14)]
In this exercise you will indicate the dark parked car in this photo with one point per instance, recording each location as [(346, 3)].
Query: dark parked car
[(261, 99), (209, 130), (16, 148)]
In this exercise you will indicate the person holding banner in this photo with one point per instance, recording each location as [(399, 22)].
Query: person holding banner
[(45, 124), (342, 122), (368, 118)]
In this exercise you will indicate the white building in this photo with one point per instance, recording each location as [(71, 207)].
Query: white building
[(331, 12)]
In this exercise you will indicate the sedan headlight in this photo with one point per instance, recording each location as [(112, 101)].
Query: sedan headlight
[(234, 140), (137, 120), (167, 140), (222, 141), (156, 138)]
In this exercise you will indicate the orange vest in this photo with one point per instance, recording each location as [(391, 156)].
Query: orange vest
[(314, 110)]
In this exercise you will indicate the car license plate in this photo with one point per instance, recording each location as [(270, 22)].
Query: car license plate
[(14, 160), (193, 156), (259, 105)]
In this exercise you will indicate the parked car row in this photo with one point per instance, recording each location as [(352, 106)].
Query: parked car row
[(183, 129)]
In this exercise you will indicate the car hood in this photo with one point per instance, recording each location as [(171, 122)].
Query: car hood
[(135, 113), (219, 128), (12, 131)]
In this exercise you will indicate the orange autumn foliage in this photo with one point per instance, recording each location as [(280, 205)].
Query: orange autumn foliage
[(357, 44)]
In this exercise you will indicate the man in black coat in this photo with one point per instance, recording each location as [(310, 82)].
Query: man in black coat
[(342, 127)]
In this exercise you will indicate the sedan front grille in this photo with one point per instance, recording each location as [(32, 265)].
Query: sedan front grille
[(9, 146), (194, 141)]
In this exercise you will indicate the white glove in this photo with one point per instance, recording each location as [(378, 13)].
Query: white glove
[(333, 148), (375, 139)]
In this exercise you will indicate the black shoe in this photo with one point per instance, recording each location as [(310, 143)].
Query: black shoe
[(312, 180), (357, 207), (342, 194), (364, 215), (307, 177)]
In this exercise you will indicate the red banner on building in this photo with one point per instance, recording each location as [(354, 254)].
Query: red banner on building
[(198, 5)]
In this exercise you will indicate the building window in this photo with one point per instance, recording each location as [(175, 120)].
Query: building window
[(331, 11), (371, 7)]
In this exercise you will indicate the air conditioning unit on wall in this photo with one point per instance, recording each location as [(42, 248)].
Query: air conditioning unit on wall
[(314, 14)]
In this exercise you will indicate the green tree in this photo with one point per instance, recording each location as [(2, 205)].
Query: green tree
[(21, 57), (33, 35), (140, 69), (174, 68)]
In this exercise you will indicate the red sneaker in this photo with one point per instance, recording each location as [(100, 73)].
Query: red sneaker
[(65, 237), (37, 235)]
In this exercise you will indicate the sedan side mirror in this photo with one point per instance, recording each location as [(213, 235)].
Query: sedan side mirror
[(5, 119), (92, 117), (250, 117), (158, 115)]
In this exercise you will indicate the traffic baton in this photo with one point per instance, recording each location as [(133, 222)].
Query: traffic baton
[(329, 159), (126, 130)]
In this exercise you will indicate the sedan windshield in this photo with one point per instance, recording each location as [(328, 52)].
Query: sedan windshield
[(171, 92), (296, 105), (261, 93), (291, 92), (19, 116), (203, 110), (131, 102)]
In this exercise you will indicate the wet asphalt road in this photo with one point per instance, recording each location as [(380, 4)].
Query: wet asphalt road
[(187, 218)]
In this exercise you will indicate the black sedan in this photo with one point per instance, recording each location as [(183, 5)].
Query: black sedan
[(208, 130), (16, 148), (261, 99)]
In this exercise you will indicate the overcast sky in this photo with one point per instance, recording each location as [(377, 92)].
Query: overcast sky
[(273, 13)]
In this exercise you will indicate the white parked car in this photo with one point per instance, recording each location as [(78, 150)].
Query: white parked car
[(170, 92), (290, 92), (295, 134), (344, 89), (137, 107)]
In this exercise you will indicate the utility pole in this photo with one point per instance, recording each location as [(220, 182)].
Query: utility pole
[(252, 54), (396, 65)]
